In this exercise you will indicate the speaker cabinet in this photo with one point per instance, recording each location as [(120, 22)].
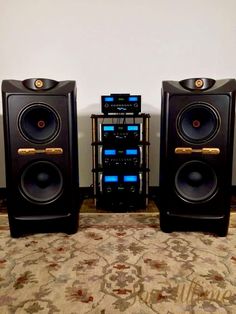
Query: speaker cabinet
[(197, 128), (41, 153)]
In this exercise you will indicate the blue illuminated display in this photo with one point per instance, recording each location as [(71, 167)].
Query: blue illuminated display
[(131, 152), (109, 99), (108, 128), (109, 152), (111, 179), (130, 178), (132, 127), (133, 98)]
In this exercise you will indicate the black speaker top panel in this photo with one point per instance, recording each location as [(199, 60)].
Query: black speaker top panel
[(199, 85), (37, 85)]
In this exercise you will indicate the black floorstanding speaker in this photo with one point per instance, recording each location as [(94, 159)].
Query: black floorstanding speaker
[(41, 155), (197, 128)]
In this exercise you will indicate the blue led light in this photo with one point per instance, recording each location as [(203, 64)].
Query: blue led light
[(109, 99), (130, 178), (132, 127), (131, 152), (133, 98), (110, 178), (108, 128), (109, 152)]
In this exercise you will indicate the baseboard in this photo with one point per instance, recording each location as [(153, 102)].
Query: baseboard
[(86, 192), (3, 193)]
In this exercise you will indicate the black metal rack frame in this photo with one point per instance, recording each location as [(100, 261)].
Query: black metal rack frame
[(97, 168)]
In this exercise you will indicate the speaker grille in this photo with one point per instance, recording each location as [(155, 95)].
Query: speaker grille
[(41, 182), (39, 123), (196, 181), (198, 123)]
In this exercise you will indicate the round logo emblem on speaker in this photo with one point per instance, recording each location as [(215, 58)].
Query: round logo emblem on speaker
[(39, 123), (38, 83), (198, 123), (199, 83), (196, 181), (41, 182)]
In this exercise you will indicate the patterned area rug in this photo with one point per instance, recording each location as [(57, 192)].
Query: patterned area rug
[(118, 263)]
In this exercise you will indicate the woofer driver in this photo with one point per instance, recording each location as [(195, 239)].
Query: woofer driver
[(196, 181), (39, 123), (198, 123), (41, 182)]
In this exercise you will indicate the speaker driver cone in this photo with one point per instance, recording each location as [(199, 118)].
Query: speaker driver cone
[(41, 181), (196, 181), (39, 123), (198, 123)]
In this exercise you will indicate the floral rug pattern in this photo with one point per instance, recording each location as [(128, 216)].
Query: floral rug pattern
[(118, 263)]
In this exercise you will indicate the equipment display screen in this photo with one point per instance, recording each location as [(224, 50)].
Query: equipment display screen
[(133, 152), (108, 128), (111, 179), (130, 179), (133, 98), (132, 127), (109, 152), (109, 99)]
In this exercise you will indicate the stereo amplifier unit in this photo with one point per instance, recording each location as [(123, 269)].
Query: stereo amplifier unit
[(121, 191), (121, 184), (121, 157), (121, 103), (120, 133)]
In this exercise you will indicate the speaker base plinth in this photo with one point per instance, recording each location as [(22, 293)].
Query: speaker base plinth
[(210, 224), (24, 226)]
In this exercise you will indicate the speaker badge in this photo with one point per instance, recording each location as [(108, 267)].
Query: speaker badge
[(199, 83), (39, 83), (203, 151), (33, 151)]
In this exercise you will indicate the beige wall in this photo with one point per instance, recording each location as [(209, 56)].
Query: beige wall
[(116, 46)]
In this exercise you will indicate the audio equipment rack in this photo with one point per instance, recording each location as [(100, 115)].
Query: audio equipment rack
[(120, 161)]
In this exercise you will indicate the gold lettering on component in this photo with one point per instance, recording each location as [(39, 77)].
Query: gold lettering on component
[(26, 151), (211, 151), (204, 151), (183, 150), (33, 151), (54, 151)]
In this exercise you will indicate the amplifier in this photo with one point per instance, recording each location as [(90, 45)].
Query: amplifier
[(121, 185), (121, 103), (121, 157), (120, 133), (121, 191)]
